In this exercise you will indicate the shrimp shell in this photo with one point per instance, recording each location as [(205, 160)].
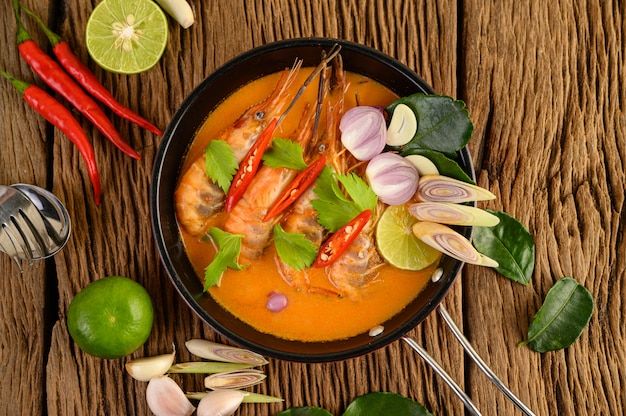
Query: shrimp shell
[(197, 198)]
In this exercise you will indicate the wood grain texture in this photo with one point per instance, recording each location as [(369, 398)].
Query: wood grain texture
[(23, 150), (545, 86)]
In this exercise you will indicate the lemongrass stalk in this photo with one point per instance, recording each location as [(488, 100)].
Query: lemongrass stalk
[(437, 188), (201, 367), (218, 352), (249, 397), (453, 214), (451, 243)]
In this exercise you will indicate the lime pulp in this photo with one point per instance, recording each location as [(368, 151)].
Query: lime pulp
[(397, 243), (127, 36)]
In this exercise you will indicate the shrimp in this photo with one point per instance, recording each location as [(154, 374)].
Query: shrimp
[(197, 198), (303, 218), (246, 218)]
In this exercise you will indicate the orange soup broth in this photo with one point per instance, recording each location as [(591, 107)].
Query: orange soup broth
[(308, 317)]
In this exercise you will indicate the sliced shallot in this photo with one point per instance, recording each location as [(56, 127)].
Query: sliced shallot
[(393, 178), (220, 403), (453, 214), (451, 243), (234, 379), (218, 352), (363, 131), (437, 188), (165, 398)]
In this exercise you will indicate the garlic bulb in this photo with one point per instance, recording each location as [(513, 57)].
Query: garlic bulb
[(144, 369), (165, 398), (220, 403)]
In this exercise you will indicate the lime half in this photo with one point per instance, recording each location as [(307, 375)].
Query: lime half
[(127, 36), (111, 317), (397, 244)]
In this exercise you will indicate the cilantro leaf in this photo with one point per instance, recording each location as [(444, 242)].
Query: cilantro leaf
[(220, 164), (362, 195), (295, 250), (334, 210), (285, 153), (227, 256)]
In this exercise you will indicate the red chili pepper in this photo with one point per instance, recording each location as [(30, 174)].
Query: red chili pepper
[(81, 73), (339, 242), (53, 75), (249, 166), (296, 188), (61, 118)]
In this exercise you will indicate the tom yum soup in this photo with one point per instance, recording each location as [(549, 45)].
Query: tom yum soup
[(300, 225)]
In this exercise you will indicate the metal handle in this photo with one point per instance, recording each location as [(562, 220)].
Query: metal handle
[(481, 364), (469, 405)]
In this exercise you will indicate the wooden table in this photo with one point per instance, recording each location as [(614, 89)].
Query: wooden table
[(546, 88)]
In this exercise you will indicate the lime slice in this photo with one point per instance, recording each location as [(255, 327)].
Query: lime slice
[(127, 36), (397, 244), (111, 317)]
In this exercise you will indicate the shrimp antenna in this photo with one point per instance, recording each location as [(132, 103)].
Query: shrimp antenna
[(331, 55), (320, 99)]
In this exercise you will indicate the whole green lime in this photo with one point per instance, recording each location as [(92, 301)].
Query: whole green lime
[(111, 317)]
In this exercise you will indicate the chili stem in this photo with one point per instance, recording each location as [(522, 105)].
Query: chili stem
[(52, 37), (18, 84)]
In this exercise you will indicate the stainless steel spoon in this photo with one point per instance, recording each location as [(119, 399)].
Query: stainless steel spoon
[(34, 224)]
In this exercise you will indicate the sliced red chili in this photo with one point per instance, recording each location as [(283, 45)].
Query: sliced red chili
[(339, 242), (249, 166), (297, 187)]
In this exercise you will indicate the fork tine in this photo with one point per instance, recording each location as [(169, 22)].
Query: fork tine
[(25, 247), (36, 234), (16, 256)]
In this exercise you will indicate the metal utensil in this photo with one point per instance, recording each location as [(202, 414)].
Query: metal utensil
[(34, 224), (469, 405)]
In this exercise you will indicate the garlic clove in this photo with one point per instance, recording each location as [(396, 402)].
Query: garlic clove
[(220, 403), (402, 127), (165, 398), (218, 352), (234, 380), (423, 165), (144, 369)]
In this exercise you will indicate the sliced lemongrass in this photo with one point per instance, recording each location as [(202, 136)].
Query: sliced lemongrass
[(437, 188), (144, 369), (220, 403), (180, 10), (165, 398), (451, 243), (218, 352), (234, 379), (402, 127), (201, 367), (423, 165), (248, 398), (453, 214)]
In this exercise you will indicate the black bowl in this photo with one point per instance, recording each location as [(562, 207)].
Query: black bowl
[(177, 139)]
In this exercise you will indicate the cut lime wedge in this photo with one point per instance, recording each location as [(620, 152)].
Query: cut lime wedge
[(397, 243), (127, 36)]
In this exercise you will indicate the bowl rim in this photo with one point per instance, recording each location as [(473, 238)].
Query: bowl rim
[(155, 209)]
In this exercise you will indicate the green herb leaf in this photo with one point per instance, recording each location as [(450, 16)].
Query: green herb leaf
[(305, 411), (443, 124), (334, 210), (220, 163), (295, 250), (227, 256), (562, 317), (362, 195), (445, 165), (388, 404), (510, 244), (285, 153)]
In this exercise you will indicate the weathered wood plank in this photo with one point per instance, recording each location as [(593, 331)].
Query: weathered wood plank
[(545, 84), (116, 238), (22, 159)]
